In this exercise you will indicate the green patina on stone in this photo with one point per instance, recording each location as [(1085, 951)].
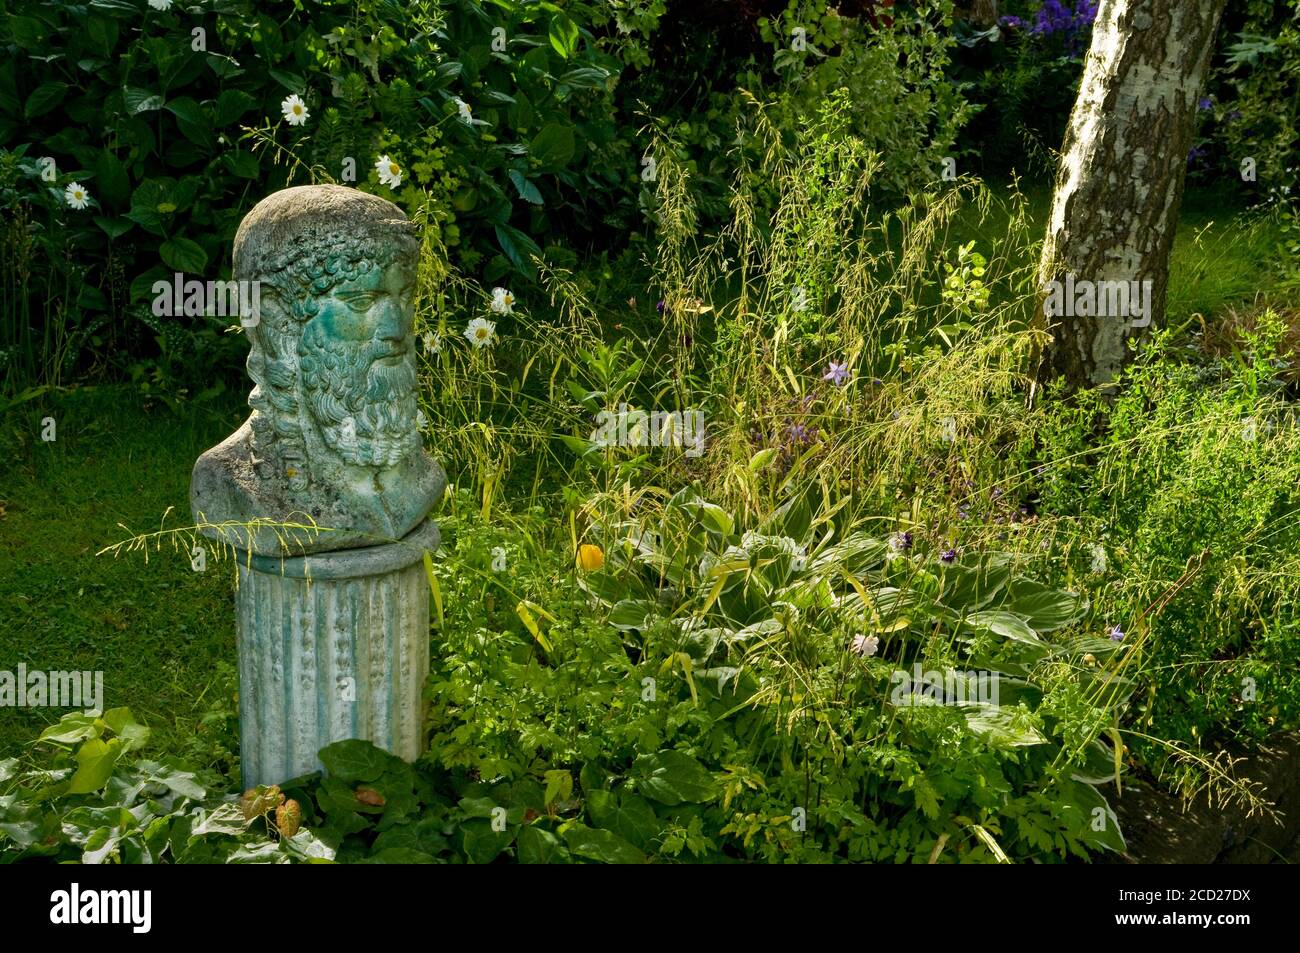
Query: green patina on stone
[(332, 622), (334, 437)]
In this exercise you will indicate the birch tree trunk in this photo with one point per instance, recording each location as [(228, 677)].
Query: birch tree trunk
[(1120, 181)]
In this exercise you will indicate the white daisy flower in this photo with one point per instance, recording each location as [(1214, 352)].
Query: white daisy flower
[(390, 173), (503, 302), (295, 110), (865, 645), (161, 4), (432, 342), (480, 331), (466, 114), (76, 195)]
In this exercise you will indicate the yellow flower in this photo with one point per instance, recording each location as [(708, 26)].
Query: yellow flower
[(590, 558)]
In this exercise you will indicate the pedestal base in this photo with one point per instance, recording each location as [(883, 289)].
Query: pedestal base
[(332, 646)]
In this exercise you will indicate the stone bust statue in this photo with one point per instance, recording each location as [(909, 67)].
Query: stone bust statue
[(333, 440)]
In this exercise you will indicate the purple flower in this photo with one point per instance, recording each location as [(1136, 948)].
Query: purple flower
[(1051, 17), (837, 374), (1205, 103), (660, 306), (1195, 155), (1116, 634), (900, 542), (1011, 23), (797, 433), (1233, 115), (948, 556), (963, 513)]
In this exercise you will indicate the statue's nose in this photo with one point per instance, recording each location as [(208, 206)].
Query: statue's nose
[(392, 323)]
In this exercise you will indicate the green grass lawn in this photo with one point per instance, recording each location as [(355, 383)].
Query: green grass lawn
[(156, 628)]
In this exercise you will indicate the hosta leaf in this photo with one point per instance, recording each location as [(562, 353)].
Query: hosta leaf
[(1001, 726), (1045, 608), (1005, 624)]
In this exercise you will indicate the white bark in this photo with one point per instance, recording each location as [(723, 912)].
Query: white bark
[(1123, 164)]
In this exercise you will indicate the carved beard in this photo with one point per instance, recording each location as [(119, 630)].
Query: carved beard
[(366, 410)]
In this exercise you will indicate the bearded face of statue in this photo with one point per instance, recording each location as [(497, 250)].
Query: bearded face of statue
[(357, 360)]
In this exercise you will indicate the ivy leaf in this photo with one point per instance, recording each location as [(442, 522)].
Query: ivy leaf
[(353, 760), (95, 760), (398, 855), (481, 843), (538, 846), (603, 846), (74, 727)]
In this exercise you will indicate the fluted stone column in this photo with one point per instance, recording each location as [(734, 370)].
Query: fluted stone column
[(331, 646)]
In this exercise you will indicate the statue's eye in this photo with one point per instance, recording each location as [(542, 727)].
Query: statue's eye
[(361, 301)]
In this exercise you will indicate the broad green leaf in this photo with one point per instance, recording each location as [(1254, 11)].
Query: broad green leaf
[(183, 254), (225, 819), (74, 727), (44, 98), (599, 845), (1099, 824), (112, 182), (526, 189), (231, 104), (481, 843), (627, 815), (1005, 624), (113, 227), (672, 777), (1045, 608), (563, 35), (398, 855), (553, 147), (354, 760), (761, 459), (1001, 726), (140, 100), (966, 588), (95, 761), (538, 846), (628, 614)]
